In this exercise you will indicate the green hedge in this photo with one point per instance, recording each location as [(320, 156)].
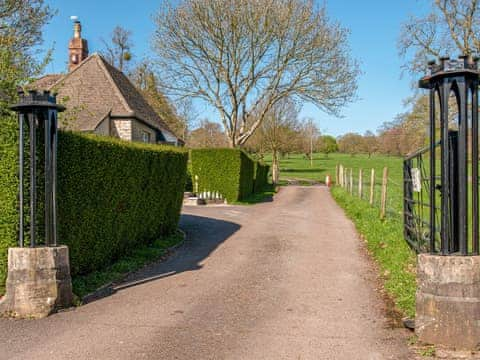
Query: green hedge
[(261, 177), (112, 196), (228, 171), (115, 195), (8, 193)]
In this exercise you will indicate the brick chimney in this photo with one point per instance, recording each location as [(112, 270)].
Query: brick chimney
[(78, 47)]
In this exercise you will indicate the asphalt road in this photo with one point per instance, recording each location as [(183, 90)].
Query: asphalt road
[(287, 279)]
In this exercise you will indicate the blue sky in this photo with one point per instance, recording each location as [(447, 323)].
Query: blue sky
[(374, 26)]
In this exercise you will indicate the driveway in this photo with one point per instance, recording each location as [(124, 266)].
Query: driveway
[(286, 279)]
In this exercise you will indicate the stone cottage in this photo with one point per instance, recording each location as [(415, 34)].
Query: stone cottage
[(101, 99)]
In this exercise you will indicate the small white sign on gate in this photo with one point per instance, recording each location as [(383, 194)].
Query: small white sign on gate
[(416, 180)]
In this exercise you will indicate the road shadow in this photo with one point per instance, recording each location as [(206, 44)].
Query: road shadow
[(203, 236)]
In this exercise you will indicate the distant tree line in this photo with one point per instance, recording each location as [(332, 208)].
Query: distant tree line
[(406, 134)]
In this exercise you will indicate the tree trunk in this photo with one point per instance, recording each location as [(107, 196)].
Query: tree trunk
[(275, 168)]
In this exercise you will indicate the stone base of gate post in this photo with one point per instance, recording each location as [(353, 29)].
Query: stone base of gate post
[(448, 301), (38, 282)]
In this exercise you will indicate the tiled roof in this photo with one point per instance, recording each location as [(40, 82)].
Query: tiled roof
[(46, 81), (95, 89)]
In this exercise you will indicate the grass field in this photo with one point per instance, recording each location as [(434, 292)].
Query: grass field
[(384, 238), (297, 167)]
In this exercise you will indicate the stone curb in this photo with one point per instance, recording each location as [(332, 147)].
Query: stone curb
[(109, 288)]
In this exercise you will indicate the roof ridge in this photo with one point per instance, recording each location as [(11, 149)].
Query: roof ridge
[(109, 67), (104, 65), (88, 58)]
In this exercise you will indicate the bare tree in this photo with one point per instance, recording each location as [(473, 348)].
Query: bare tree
[(208, 135), (451, 26), (350, 143), (186, 116), (178, 118), (118, 50), (311, 136), (243, 56), (277, 132), (370, 143)]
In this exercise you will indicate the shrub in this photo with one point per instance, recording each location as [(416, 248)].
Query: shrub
[(228, 171), (112, 196), (261, 176)]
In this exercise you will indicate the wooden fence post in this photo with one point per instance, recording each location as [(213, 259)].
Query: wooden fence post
[(351, 181), (341, 175), (372, 186), (336, 174), (384, 193), (360, 183)]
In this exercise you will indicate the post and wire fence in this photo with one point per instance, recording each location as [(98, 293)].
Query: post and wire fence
[(373, 186)]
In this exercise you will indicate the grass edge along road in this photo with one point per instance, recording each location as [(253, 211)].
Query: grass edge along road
[(384, 239), (137, 259)]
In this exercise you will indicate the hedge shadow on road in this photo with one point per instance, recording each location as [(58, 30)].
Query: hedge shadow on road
[(203, 236)]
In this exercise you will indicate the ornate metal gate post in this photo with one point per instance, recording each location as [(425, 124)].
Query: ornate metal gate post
[(40, 112), (448, 293), (38, 279)]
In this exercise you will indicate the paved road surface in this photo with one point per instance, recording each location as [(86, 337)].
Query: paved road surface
[(281, 280)]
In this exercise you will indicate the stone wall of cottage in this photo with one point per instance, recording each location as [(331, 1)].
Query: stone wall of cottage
[(122, 128), (138, 131)]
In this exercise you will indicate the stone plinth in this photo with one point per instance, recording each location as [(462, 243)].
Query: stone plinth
[(38, 282), (448, 301)]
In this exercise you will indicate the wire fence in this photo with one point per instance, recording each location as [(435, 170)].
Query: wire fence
[(373, 186)]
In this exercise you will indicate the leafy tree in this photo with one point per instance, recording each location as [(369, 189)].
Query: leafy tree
[(21, 24), (243, 56), (118, 50), (328, 144)]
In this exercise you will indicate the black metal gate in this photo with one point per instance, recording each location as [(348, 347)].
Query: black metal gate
[(441, 196), (419, 207)]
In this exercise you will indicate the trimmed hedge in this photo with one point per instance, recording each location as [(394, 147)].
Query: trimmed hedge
[(261, 177), (9, 190), (228, 171), (112, 196)]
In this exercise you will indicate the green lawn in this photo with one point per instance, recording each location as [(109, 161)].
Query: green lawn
[(297, 167), (384, 238)]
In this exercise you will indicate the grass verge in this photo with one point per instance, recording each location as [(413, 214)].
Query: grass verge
[(385, 243), (138, 258)]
